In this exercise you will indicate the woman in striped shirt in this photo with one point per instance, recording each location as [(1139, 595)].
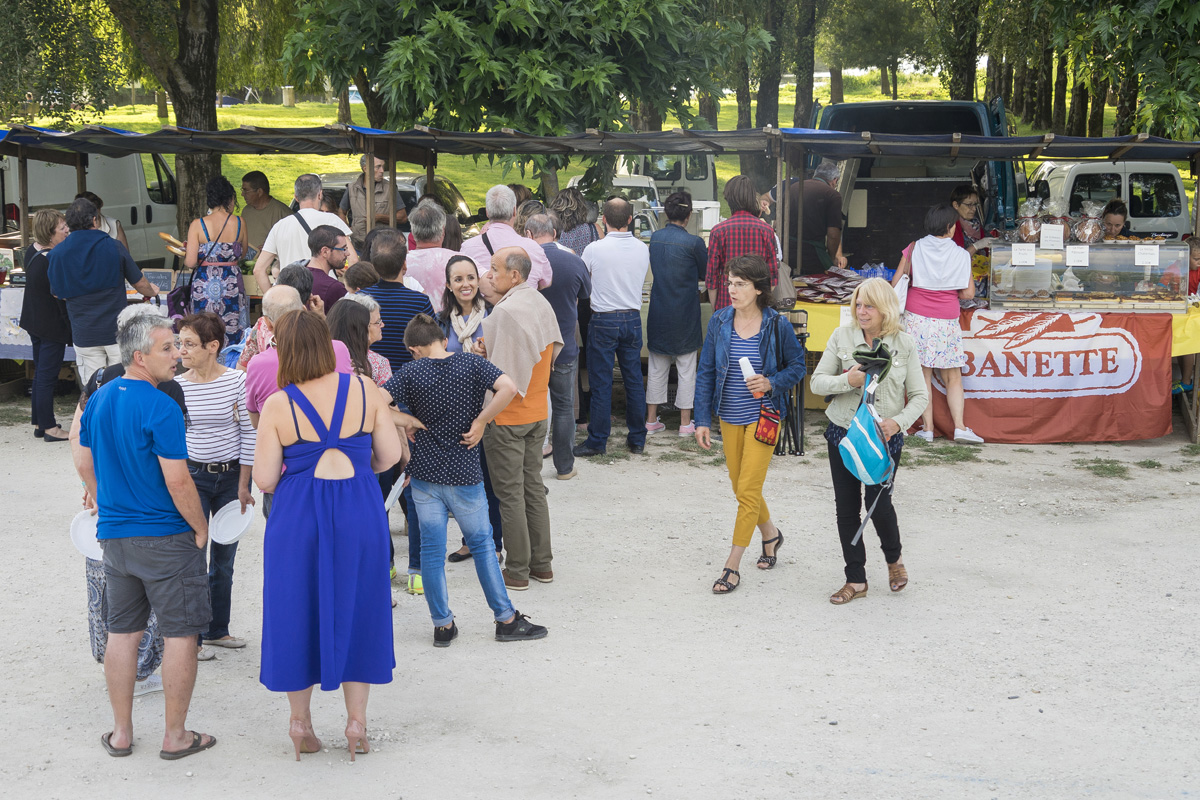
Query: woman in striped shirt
[(751, 329), (220, 443)]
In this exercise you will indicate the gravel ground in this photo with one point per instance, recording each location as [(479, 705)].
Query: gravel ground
[(1045, 647)]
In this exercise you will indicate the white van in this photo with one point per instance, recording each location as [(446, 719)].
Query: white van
[(138, 190), (1152, 190), (697, 173)]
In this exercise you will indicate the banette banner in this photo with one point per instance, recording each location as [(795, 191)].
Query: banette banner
[(1047, 376)]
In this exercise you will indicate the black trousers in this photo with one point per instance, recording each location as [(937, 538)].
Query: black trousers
[(848, 496)]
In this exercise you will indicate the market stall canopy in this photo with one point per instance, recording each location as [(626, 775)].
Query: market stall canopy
[(115, 143), (591, 142), (865, 144)]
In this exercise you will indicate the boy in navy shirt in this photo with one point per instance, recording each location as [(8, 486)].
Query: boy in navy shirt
[(445, 392)]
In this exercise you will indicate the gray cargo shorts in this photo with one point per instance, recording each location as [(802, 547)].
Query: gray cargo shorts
[(166, 573)]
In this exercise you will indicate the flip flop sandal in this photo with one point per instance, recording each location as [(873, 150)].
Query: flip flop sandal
[(723, 581), (115, 752), (770, 560), (897, 577), (845, 595), (197, 746)]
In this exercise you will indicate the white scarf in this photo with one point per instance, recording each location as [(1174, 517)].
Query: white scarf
[(465, 328), (939, 264)]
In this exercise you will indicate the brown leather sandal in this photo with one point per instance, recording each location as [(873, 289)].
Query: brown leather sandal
[(845, 595), (897, 576)]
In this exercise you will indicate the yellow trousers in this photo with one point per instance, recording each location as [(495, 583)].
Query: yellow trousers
[(747, 460)]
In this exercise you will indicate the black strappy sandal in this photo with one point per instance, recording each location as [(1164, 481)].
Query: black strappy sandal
[(770, 560), (724, 581)]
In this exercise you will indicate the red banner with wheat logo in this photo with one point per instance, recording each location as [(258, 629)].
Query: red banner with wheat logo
[(1063, 377)]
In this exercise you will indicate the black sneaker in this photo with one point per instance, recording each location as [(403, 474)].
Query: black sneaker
[(519, 629), (442, 637)]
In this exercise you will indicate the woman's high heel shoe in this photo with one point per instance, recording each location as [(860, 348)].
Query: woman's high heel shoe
[(356, 737), (303, 738)]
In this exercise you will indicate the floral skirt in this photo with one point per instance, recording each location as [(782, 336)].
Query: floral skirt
[(219, 288), (150, 648), (939, 341)]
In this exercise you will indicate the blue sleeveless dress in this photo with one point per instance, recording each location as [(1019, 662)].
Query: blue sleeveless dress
[(327, 600)]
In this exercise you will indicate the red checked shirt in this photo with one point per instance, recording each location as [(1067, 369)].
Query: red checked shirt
[(740, 235)]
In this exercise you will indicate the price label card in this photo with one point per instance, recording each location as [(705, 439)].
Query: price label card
[(1077, 255), (1052, 236), (1145, 255), (847, 316), (1023, 254)]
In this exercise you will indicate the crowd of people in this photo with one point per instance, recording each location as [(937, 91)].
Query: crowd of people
[(408, 366)]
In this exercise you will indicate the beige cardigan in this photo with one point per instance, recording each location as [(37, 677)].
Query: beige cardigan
[(519, 329), (904, 379)]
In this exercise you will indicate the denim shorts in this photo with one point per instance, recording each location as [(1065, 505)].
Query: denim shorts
[(166, 573)]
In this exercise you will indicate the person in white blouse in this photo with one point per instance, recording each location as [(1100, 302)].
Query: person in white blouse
[(220, 443)]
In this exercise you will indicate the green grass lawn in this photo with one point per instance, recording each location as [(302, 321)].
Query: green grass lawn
[(472, 176)]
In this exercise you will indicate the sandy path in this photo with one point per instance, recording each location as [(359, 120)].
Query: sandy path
[(1045, 648)]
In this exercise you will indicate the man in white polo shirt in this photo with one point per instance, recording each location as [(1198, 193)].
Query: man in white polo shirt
[(618, 264), (288, 240)]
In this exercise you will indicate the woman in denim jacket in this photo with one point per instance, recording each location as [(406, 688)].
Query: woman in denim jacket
[(748, 328)]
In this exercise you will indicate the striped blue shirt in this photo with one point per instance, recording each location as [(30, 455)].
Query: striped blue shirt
[(738, 406), (397, 305)]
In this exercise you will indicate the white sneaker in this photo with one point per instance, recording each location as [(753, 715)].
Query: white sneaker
[(149, 686), (967, 435), (925, 435), (205, 654)]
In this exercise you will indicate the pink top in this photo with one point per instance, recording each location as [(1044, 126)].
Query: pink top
[(428, 266), (263, 370), (931, 303), (501, 234)]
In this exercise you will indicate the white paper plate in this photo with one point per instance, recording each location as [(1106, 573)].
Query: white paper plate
[(229, 524), (394, 494), (83, 535)]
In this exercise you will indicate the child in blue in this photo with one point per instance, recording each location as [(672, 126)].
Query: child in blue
[(445, 394)]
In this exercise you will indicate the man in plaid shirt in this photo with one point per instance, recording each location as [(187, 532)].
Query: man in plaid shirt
[(742, 234)]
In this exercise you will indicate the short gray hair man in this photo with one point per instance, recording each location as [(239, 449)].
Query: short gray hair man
[(500, 203), (132, 312), (540, 225), (279, 300), (137, 335), (428, 222), (828, 171), (307, 187)]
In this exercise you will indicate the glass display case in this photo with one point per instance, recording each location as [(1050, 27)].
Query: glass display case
[(1106, 276)]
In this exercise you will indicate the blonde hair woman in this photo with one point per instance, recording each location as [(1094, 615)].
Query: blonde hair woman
[(900, 399)]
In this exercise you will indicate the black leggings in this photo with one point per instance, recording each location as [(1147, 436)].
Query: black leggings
[(847, 494)]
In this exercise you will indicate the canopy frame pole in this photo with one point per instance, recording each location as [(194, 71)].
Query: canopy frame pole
[(799, 254), (430, 163), (23, 195), (391, 157), (1191, 408), (369, 182), (80, 174)]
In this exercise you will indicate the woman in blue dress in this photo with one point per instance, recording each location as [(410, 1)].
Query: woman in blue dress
[(327, 609), (215, 245)]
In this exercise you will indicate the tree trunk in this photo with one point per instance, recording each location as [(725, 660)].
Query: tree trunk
[(549, 184), (372, 101), (1017, 101), (160, 101), (344, 117), (187, 68), (895, 79), (1127, 100), (806, 42), (741, 92), (1095, 124), (963, 54), (885, 86), (991, 80), (836, 92), (710, 108), (758, 166), (1078, 116), (1058, 120), (1044, 109), (1006, 88)]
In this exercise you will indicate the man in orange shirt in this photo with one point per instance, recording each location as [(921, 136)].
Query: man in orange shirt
[(522, 338)]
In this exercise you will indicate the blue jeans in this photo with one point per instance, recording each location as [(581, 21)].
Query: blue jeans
[(619, 334), (216, 490), (470, 507), (47, 362), (562, 417)]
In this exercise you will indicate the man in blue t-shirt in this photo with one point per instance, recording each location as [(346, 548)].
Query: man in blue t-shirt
[(445, 393), (133, 460)]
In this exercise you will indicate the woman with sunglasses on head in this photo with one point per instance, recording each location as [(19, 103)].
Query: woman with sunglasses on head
[(900, 398), (461, 317), (747, 328)]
